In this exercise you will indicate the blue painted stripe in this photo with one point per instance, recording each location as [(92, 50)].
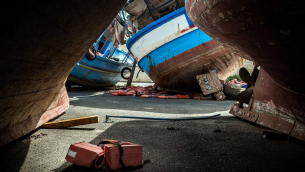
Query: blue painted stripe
[(101, 70), (156, 24), (110, 74), (174, 48), (98, 68)]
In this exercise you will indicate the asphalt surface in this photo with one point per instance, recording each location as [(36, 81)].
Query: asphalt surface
[(223, 143), (101, 100)]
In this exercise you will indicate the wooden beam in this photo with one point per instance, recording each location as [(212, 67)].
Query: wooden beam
[(71, 122), (132, 72)]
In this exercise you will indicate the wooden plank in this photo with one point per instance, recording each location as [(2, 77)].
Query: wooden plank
[(71, 122), (132, 72)]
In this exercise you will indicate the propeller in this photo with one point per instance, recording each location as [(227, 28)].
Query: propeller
[(245, 96), (245, 76)]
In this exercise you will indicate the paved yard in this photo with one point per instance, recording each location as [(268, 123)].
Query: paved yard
[(190, 146)]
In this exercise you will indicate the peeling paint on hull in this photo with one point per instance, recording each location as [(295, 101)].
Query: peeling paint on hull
[(180, 72), (58, 106), (173, 51), (269, 33), (274, 107)]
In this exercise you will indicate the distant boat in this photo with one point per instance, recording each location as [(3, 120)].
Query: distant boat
[(103, 69), (172, 51)]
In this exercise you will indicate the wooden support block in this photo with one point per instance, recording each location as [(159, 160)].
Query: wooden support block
[(209, 83), (71, 122), (219, 95)]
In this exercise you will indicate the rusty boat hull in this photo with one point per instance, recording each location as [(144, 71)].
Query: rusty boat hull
[(179, 72), (274, 107), (40, 45), (270, 34), (173, 51)]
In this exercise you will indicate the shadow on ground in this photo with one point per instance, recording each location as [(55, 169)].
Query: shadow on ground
[(217, 144), (13, 155)]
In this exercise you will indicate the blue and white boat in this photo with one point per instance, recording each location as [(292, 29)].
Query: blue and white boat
[(104, 70), (172, 51)]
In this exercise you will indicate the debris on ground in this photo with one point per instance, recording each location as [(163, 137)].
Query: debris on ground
[(232, 90), (242, 84), (37, 136), (170, 128), (153, 92)]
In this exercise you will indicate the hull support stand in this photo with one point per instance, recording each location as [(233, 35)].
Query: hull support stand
[(210, 84)]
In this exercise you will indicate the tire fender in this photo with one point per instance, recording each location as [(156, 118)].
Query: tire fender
[(123, 70), (89, 56)]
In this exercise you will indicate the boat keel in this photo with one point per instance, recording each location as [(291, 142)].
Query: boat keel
[(275, 107)]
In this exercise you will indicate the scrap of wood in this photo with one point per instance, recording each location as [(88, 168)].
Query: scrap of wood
[(71, 122)]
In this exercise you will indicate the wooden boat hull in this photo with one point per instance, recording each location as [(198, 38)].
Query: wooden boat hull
[(269, 33), (40, 45), (100, 72), (173, 57), (59, 104), (179, 72)]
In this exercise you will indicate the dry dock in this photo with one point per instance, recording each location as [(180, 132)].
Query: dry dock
[(224, 143)]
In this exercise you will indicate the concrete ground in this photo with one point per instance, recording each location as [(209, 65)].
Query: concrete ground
[(223, 143)]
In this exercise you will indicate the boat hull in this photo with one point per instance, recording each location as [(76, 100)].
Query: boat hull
[(40, 45), (58, 106), (100, 72), (274, 107), (270, 33), (179, 72), (175, 58), (267, 31)]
